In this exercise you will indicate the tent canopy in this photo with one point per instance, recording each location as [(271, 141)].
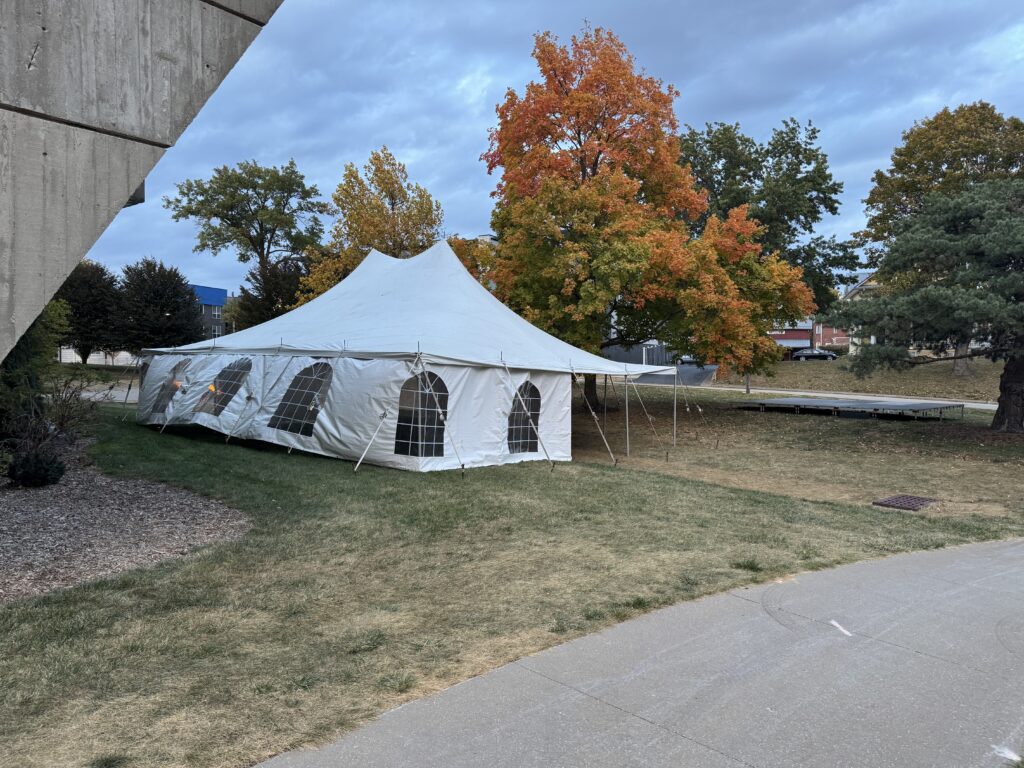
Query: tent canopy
[(398, 308)]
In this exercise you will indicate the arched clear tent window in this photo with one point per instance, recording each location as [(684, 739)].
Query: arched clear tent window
[(170, 387), (522, 436), (224, 387), (422, 410), (303, 400)]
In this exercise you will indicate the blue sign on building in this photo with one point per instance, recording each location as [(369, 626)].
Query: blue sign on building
[(211, 297)]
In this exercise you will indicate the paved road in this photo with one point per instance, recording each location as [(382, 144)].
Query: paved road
[(912, 661), (977, 405)]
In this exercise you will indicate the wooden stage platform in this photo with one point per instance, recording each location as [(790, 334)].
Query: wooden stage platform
[(838, 406)]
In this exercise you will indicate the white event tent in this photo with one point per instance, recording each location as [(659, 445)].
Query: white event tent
[(406, 363)]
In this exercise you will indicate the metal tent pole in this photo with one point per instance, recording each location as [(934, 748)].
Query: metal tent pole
[(625, 386), (604, 416), (128, 392), (366, 450), (675, 380)]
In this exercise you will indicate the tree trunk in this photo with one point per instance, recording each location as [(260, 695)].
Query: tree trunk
[(1010, 413), (961, 363), (590, 389)]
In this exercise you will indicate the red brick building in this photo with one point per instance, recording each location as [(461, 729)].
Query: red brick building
[(808, 333)]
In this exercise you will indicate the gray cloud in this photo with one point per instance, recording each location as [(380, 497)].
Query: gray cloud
[(327, 82)]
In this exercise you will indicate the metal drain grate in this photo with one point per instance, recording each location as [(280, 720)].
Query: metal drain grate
[(912, 503)]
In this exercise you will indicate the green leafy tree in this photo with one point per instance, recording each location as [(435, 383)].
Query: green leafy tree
[(271, 292), (93, 298), (788, 188), (269, 216), (945, 153), (954, 271), (24, 370), (232, 322), (160, 308)]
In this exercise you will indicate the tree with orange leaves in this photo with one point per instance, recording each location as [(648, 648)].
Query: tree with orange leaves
[(378, 208), (593, 211)]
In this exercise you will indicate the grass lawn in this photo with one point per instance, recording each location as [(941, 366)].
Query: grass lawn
[(810, 456), (354, 592), (931, 380)]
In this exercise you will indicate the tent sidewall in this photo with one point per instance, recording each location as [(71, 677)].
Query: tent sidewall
[(480, 400)]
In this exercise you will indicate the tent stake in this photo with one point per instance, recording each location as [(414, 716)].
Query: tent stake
[(366, 450), (597, 422), (528, 415)]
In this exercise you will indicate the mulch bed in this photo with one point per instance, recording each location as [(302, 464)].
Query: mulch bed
[(90, 525)]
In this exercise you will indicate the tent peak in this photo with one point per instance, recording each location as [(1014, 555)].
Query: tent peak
[(439, 247), (393, 308)]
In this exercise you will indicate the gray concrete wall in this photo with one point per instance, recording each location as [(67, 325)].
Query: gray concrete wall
[(91, 94)]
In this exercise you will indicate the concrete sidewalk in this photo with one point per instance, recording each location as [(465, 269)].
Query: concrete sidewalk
[(915, 660)]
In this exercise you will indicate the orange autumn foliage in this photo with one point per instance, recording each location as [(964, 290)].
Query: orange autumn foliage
[(378, 208), (593, 218)]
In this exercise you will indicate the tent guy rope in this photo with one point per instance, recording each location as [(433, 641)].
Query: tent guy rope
[(597, 421), (528, 415)]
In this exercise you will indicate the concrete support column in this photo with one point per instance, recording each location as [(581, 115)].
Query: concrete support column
[(91, 94)]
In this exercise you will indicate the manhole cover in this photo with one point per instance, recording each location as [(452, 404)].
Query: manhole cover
[(905, 502)]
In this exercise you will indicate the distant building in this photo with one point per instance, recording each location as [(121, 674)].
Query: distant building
[(212, 301), (123, 359), (865, 287), (827, 336), (798, 335), (807, 333)]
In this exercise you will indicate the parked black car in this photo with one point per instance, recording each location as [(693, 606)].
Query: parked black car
[(814, 354)]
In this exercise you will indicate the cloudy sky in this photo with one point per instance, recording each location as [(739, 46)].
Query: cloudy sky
[(328, 81)]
